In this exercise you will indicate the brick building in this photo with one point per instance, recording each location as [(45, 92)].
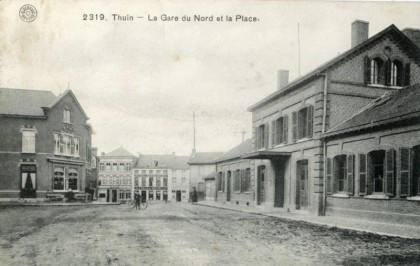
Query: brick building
[(162, 177), (45, 145), (373, 160), (288, 149), (201, 165), (115, 176), (234, 176)]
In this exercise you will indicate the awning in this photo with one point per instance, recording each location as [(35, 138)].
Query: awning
[(270, 155)]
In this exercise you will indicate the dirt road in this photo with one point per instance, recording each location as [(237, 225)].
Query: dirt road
[(183, 234)]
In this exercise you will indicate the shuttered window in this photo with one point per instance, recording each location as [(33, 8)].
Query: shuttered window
[(329, 176), (405, 161), (350, 174), (237, 180), (362, 174)]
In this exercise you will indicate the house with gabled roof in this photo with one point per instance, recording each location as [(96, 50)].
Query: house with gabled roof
[(45, 146), (289, 124)]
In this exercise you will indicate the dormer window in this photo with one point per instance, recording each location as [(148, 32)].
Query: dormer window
[(391, 72), (376, 71), (396, 78), (66, 115)]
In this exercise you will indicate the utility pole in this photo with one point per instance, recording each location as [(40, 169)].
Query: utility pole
[(298, 51), (194, 132)]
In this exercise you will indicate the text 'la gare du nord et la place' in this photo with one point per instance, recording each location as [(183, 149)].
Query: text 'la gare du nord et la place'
[(164, 17)]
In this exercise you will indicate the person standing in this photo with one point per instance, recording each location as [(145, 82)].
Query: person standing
[(137, 199)]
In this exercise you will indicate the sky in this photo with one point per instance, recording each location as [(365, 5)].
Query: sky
[(140, 81)]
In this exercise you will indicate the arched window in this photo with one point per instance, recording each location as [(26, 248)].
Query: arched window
[(396, 78), (376, 71), (66, 115)]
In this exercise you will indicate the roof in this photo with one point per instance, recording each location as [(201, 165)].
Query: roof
[(24, 102), (392, 107), (236, 152), (64, 94), (407, 45), (170, 161), (120, 152), (204, 157)]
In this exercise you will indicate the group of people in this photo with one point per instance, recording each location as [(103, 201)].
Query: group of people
[(137, 200)]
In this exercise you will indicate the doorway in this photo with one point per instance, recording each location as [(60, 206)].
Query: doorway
[(302, 193), (261, 185), (279, 167), (178, 195), (28, 188), (114, 195)]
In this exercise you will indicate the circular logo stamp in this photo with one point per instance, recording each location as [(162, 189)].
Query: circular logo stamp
[(28, 13)]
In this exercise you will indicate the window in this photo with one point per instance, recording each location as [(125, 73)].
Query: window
[(136, 172), (150, 181), (122, 194), (223, 181), (158, 179), (72, 179), (143, 181), (28, 141), (66, 115), (66, 144), (246, 176), (302, 123), (122, 167), (165, 172), (174, 181), (158, 172), (65, 179), (151, 172), (28, 173), (165, 181), (183, 181), (340, 174), (128, 166), (59, 178), (237, 180), (389, 72), (128, 194), (115, 167), (279, 131), (108, 166), (262, 136), (101, 166), (143, 171)]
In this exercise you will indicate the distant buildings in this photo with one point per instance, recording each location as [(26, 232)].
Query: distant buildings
[(115, 176), (162, 177), (201, 164), (45, 146)]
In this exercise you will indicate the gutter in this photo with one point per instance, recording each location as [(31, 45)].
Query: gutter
[(324, 122)]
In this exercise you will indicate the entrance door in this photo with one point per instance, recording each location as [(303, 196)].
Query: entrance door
[(302, 193), (108, 195), (178, 195), (279, 184), (114, 195), (229, 174), (143, 195), (165, 195), (261, 185), (28, 187)]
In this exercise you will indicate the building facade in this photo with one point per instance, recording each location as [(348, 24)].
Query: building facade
[(288, 125), (46, 144), (161, 177), (115, 176), (373, 161), (201, 165), (234, 176)]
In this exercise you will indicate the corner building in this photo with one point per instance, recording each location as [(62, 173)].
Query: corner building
[(288, 125), (45, 145)]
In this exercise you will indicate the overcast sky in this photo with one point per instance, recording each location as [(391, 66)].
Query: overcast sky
[(140, 81)]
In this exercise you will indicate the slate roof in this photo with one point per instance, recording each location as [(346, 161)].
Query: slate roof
[(24, 102), (407, 45), (239, 150), (204, 157), (170, 161), (119, 152), (392, 107)]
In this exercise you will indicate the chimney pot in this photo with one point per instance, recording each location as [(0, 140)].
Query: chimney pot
[(282, 78), (359, 32)]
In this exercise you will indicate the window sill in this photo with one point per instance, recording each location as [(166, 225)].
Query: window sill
[(384, 86), (414, 198), (377, 196), (340, 195), (67, 123), (28, 152)]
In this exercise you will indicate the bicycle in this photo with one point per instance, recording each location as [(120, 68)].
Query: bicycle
[(143, 204)]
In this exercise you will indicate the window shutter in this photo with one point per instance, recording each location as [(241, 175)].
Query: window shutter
[(400, 75), (294, 125), (369, 174), (388, 72), (335, 176), (407, 75), (242, 178), (298, 173), (329, 176), (285, 128), (362, 174), (310, 121), (274, 133), (266, 134), (350, 174), (389, 172), (405, 162), (223, 182), (367, 70)]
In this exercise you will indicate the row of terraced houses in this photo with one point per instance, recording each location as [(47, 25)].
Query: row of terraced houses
[(343, 139)]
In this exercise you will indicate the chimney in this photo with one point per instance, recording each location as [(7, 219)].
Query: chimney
[(94, 151), (413, 35), (282, 78), (102, 153), (359, 32)]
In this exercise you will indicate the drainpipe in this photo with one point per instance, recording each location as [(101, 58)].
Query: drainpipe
[(324, 121)]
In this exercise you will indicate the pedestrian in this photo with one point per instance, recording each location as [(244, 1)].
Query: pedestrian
[(137, 199), (194, 195)]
